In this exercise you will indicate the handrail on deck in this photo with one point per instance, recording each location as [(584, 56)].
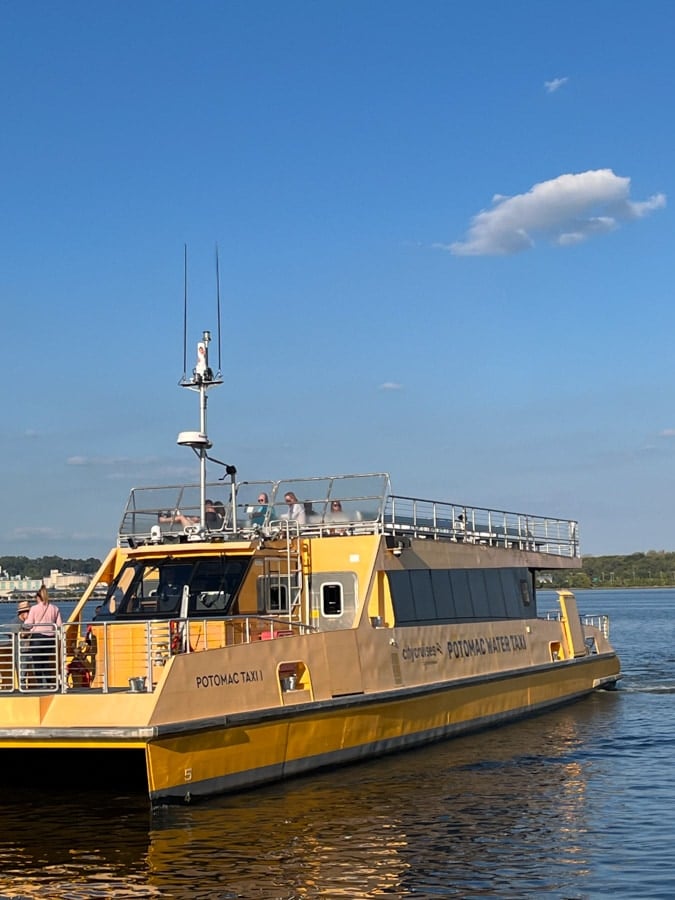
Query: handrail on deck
[(122, 655), (440, 520), (593, 620), (333, 506)]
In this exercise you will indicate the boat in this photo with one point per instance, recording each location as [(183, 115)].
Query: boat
[(241, 632)]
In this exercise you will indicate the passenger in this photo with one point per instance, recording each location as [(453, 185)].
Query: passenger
[(214, 514), (262, 511), (176, 517), (296, 510), (7, 651), (42, 621), (219, 509), (22, 611), (460, 527), (336, 515)]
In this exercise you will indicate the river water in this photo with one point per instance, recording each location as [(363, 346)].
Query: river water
[(576, 803)]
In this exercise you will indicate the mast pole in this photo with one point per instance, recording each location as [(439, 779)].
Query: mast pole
[(203, 400), (202, 379)]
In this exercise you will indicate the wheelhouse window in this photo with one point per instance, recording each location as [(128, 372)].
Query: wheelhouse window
[(174, 587), (331, 600)]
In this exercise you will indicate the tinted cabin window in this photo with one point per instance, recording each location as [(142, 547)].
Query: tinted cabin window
[(425, 607), (331, 599), (461, 591), (496, 595), (460, 595), (480, 597), (278, 601)]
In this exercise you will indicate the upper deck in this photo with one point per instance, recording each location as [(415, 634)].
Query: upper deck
[(332, 506)]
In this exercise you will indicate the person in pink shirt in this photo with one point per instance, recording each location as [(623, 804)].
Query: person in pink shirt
[(42, 622)]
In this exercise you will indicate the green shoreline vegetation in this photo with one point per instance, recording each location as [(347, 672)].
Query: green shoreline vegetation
[(655, 568), (23, 567)]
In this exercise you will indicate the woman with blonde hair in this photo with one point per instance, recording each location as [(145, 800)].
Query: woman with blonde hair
[(43, 621)]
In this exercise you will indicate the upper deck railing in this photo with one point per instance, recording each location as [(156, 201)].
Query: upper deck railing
[(476, 525), (335, 505)]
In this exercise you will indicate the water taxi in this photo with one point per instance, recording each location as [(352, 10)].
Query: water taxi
[(241, 632)]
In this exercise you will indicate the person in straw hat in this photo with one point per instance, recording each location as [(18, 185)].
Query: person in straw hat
[(21, 612), (8, 646)]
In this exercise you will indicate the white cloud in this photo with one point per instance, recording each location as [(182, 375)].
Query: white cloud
[(159, 472), (391, 386), (36, 531), (110, 461), (667, 433), (565, 210), (92, 461), (555, 84)]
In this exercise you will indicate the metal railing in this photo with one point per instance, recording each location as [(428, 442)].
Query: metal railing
[(333, 506), (476, 525), (598, 620), (29, 661), (121, 655)]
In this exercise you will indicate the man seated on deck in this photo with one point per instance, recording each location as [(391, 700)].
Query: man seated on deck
[(213, 513)]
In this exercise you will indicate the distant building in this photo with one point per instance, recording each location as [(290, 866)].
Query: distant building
[(55, 581), (58, 581), (20, 585)]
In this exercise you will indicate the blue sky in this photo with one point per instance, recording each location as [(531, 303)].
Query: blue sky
[(445, 237)]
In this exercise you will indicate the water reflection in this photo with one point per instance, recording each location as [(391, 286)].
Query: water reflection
[(84, 844), (501, 814), (497, 813)]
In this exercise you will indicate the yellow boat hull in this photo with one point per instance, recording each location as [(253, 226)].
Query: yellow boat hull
[(251, 749)]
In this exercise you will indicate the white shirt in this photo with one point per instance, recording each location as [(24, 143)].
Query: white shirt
[(297, 511)]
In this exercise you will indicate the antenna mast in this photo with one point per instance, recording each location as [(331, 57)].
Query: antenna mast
[(220, 368), (201, 379), (185, 293)]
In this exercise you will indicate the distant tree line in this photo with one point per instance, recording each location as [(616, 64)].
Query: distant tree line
[(655, 568), (41, 567)]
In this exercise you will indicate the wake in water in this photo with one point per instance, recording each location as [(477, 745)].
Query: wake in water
[(646, 688)]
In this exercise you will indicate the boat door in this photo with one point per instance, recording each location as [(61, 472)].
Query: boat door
[(333, 600)]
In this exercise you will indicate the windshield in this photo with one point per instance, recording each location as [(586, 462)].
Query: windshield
[(171, 587)]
